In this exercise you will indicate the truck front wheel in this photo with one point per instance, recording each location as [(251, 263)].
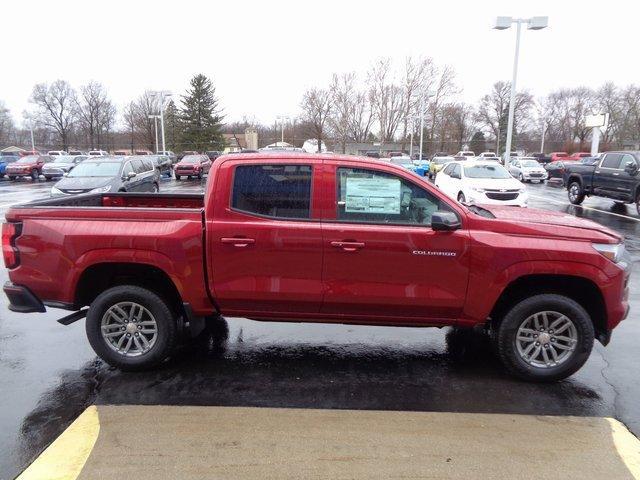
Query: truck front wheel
[(638, 203), (131, 327), (545, 338), (575, 193)]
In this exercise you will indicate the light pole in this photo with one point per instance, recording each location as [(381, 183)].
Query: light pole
[(281, 119), (503, 23), (160, 96), (155, 123)]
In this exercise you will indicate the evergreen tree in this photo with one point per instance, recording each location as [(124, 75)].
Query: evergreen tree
[(478, 143), (172, 127), (200, 117)]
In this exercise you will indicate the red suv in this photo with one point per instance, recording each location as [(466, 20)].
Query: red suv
[(192, 166), (28, 166)]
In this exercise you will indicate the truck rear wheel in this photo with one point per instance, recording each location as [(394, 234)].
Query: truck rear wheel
[(575, 193), (545, 338), (131, 327)]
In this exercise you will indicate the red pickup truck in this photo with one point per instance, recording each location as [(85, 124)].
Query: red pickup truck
[(317, 238)]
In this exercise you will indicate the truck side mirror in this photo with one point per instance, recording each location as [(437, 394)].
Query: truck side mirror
[(445, 221), (631, 168)]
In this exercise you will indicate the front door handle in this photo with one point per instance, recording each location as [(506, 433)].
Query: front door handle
[(238, 242), (348, 246)]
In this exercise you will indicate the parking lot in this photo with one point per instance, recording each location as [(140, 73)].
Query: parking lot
[(49, 375)]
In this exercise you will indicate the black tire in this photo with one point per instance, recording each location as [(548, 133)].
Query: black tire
[(47, 178), (188, 177), (200, 176), (156, 188), (508, 328), (575, 193), (177, 177), (165, 321), (35, 175), (12, 178), (638, 203), (1, 175), (461, 197)]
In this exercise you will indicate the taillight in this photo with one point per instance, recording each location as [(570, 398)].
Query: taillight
[(10, 232)]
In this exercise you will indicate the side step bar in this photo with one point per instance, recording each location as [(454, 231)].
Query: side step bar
[(74, 317)]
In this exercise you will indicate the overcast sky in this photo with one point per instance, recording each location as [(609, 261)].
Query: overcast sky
[(263, 54)]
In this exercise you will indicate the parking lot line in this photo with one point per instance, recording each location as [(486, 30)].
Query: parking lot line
[(163, 442), (546, 199), (66, 456)]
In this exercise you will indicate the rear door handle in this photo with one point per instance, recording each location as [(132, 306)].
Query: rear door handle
[(237, 242), (348, 246)]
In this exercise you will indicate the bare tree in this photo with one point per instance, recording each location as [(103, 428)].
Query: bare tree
[(7, 126), (95, 111), (362, 118), (57, 107), (443, 88), (343, 95), (130, 121), (419, 77), (387, 99), (316, 107)]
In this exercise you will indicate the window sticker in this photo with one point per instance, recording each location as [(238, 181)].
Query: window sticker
[(373, 195)]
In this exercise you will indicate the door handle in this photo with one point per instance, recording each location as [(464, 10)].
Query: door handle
[(238, 242), (348, 246)]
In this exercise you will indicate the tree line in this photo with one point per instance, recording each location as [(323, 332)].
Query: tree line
[(86, 118), (386, 104)]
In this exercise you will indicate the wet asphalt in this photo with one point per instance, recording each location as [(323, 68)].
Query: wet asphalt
[(49, 374)]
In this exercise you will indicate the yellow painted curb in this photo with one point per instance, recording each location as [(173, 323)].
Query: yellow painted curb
[(65, 457), (627, 445)]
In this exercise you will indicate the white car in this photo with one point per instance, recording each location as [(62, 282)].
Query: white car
[(55, 153), (478, 182), (98, 153), (527, 169), (465, 153)]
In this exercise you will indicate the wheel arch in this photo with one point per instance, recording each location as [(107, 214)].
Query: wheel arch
[(580, 289), (98, 277)]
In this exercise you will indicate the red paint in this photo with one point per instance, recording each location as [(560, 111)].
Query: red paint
[(319, 269)]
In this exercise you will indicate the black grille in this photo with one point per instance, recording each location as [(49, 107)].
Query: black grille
[(502, 195)]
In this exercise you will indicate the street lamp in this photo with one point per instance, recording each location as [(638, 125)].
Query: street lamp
[(155, 122), (161, 96), (281, 119), (503, 23)]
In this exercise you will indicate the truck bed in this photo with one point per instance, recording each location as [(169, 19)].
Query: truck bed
[(69, 235), (131, 200)]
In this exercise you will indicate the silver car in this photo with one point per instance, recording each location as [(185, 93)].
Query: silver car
[(527, 169), (61, 164)]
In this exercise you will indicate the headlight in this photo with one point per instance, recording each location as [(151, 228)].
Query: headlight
[(522, 190), (478, 189), (101, 189), (613, 251), (56, 191)]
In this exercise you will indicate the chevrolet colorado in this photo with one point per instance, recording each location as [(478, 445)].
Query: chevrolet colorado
[(317, 238)]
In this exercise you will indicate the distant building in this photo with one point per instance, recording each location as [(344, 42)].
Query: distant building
[(236, 142), (12, 149)]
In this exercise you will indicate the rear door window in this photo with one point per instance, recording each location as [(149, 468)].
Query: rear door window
[(276, 191), (612, 160), (137, 165)]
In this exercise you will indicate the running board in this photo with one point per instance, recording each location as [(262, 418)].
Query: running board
[(74, 317)]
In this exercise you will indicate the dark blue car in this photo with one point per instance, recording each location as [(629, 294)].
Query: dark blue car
[(6, 160)]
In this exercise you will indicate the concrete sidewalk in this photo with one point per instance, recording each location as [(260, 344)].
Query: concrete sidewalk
[(157, 442)]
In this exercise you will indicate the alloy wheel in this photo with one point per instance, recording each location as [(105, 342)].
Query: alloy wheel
[(546, 339), (129, 329)]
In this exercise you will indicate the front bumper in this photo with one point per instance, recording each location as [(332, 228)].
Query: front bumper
[(481, 198), (21, 299), (535, 176)]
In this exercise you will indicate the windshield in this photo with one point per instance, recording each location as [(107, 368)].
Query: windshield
[(28, 159), (96, 169), (63, 159), (402, 161), (562, 155), (191, 159), (442, 160), (8, 159), (486, 171), (530, 163)]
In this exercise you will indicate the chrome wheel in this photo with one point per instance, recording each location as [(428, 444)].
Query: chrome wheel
[(546, 339), (129, 329), (574, 192)]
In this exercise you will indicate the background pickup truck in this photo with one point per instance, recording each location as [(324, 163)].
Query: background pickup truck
[(317, 238), (614, 176)]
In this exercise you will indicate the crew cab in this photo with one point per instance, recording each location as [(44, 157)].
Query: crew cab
[(317, 238), (614, 175)]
